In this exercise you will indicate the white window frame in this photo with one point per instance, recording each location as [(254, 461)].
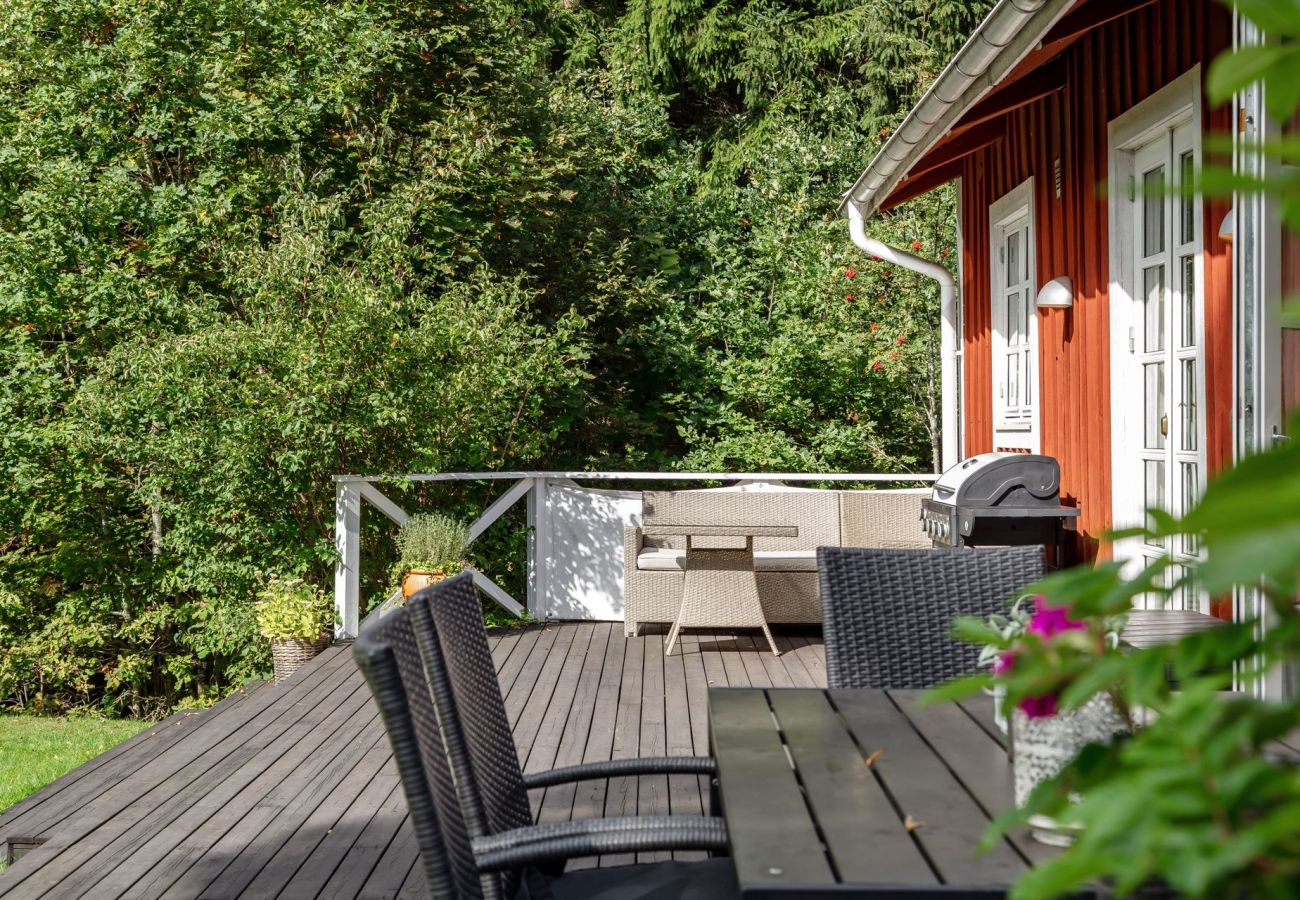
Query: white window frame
[(1023, 432), (1175, 103)]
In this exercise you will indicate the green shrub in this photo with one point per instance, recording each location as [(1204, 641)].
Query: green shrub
[(432, 542), (292, 608)]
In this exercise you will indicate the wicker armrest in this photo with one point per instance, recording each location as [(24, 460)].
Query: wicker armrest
[(591, 837), (614, 768)]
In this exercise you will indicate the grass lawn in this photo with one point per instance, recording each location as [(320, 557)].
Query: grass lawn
[(35, 750)]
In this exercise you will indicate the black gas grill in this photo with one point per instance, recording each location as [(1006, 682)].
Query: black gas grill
[(997, 499)]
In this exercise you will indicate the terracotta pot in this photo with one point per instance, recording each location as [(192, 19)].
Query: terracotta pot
[(417, 580), (291, 654)]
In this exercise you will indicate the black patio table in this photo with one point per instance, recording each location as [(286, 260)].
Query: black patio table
[(862, 793)]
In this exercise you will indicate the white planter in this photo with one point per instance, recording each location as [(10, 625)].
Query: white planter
[(1042, 748)]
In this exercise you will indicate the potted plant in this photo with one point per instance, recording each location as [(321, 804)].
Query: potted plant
[(431, 547), (298, 618), (1008, 627), (1037, 661)]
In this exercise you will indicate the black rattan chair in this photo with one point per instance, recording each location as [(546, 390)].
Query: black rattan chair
[(886, 614), (448, 622), (458, 867)]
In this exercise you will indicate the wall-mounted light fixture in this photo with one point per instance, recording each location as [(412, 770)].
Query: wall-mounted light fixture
[(1056, 294), (1228, 225)]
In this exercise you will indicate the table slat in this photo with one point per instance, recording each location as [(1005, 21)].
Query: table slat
[(862, 830), (975, 758), (758, 788), (925, 789)]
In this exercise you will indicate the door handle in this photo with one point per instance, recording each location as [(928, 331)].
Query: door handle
[(1279, 438), (1164, 426)]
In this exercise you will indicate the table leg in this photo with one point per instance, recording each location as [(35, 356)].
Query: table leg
[(721, 591)]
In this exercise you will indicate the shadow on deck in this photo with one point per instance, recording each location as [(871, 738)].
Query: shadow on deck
[(290, 791)]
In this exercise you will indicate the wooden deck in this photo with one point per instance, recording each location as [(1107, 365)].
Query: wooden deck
[(290, 791)]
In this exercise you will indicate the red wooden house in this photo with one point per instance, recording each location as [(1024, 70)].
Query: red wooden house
[(1129, 332)]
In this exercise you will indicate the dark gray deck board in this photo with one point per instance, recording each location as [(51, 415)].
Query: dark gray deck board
[(136, 800), (652, 790), (289, 791)]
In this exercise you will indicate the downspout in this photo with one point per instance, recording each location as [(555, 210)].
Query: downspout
[(950, 402)]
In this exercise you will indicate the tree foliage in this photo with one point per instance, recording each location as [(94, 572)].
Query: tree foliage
[(246, 245)]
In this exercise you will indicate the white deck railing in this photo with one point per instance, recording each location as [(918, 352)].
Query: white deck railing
[(352, 490)]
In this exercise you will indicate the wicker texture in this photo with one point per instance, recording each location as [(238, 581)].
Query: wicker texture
[(875, 518), (288, 655), (814, 513), (555, 841), (486, 764), (888, 612), (387, 655), (886, 519)]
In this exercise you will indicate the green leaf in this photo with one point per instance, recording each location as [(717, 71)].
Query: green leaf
[(1241, 68), (1276, 17)]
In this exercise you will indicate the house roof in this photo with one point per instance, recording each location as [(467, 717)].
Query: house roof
[(1007, 63)]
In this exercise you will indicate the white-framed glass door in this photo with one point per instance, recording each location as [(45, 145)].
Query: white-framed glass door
[(1162, 447)]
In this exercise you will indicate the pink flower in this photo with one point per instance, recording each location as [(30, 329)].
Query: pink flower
[(1002, 665), (1048, 621), (1039, 707)]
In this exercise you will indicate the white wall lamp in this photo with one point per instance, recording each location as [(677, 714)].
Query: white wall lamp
[(1228, 225), (1056, 294)]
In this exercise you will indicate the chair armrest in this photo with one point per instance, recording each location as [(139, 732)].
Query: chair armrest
[(633, 543), (615, 768), (590, 837)]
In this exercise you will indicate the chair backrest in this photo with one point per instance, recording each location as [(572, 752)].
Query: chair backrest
[(886, 614), (883, 518), (387, 655), (814, 513), (449, 620)]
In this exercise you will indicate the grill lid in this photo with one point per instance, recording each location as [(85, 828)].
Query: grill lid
[(1001, 479)]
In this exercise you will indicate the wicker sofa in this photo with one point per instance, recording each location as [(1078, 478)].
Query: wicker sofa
[(786, 568)]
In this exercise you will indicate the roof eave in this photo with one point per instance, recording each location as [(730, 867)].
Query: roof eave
[(1008, 33)]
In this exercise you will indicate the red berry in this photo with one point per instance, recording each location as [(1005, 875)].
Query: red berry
[(901, 340), (916, 245), (848, 298), (878, 366), (850, 272)]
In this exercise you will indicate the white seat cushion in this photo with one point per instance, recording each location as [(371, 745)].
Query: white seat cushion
[(658, 559)]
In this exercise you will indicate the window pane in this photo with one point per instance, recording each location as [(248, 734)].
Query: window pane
[(1024, 257), (1186, 588), (1153, 291), (1190, 396), (1027, 378), (1155, 405), (1013, 319), (1154, 489), (1013, 382), (1187, 227), (1190, 474), (1013, 258), (1153, 211), (1187, 306)]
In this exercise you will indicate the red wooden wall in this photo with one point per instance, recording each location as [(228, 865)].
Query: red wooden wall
[(1110, 70)]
